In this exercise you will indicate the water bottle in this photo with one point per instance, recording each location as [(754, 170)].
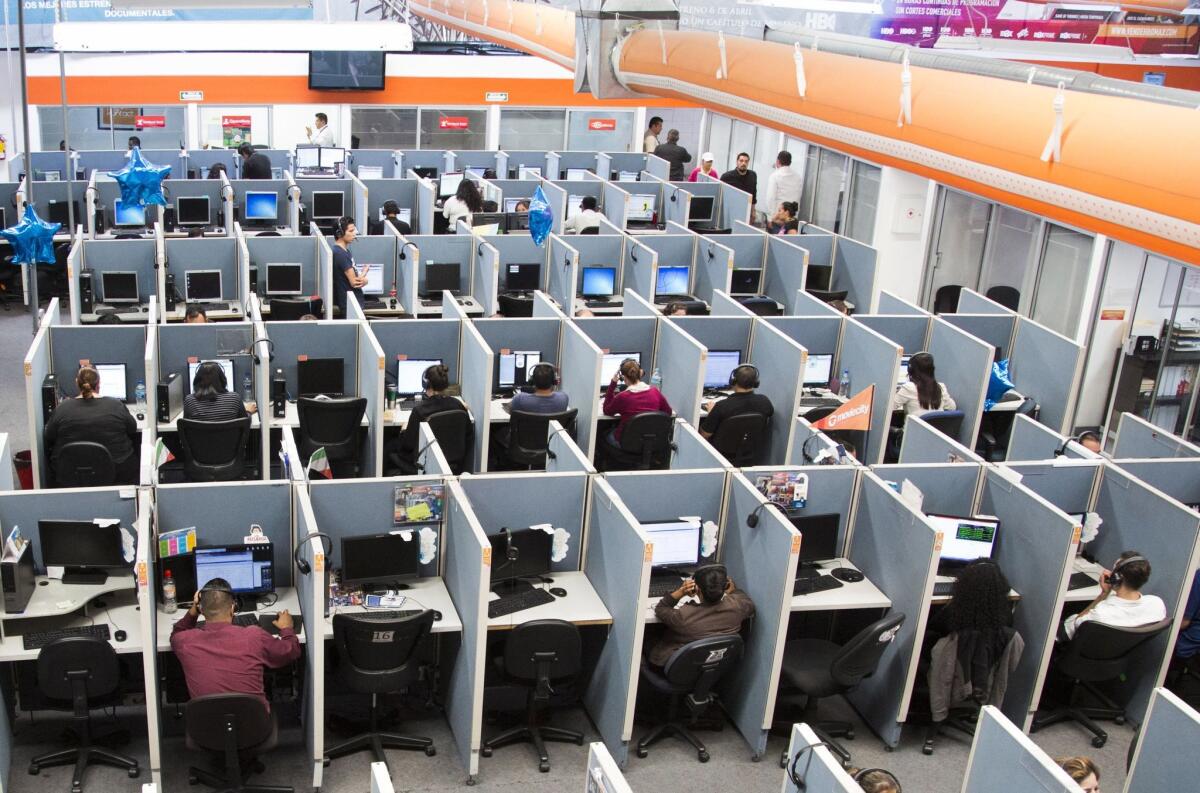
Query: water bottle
[(139, 394), (656, 378), (247, 388), (168, 586), (844, 384)]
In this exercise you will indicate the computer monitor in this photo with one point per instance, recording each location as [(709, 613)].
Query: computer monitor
[(627, 176), (598, 281), (510, 204), (744, 281), (676, 542), (818, 276), (119, 286), (818, 538), (192, 210), (440, 276), (425, 172), (478, 171), (513, 368), (409, 373), (276, 172), (903, 378), (56, 212), (374, 284), (817, 370), (574, 205), (529, 172), (610, 363), (672, 280), (128, 215), (85, 549), (370, 172), (965, 539), (523, 276), (112, 380), (517, 555), (328, 204), (448, 184), (576, 174), (284, 278), (315, 376), (487, 223), (380, 561), (226, 366), (249, 569), (719, 366), (702, 209), (261, 206), (332, 157), (641, 206), (516, 221), (202, 286), (308, 157)]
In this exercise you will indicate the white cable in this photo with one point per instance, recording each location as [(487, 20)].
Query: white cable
[(486, 12), (1053, 149), (537, 11)]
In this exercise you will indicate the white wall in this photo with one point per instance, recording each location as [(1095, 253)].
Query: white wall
[(288, 123), (901, 231)]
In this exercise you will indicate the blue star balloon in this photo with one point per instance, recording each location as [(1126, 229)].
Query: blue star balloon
[(141, 181), (32, 238), (541, 219)]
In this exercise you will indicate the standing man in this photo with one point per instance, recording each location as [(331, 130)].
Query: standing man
[(743, 178), (650, 142), (675, 154), (705, 167), (255, 164), (783, 184), (346, 277), (134, 142), (324, 134)]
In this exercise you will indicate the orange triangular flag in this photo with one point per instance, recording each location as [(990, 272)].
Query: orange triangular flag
[(854, 414)]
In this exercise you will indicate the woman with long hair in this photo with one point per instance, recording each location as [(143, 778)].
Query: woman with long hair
[(979, 601), (211, 399), (99, 419), (466, 200), (785, 220), (922, 392)]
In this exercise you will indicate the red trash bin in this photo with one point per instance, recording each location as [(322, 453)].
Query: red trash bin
[(23, 463)]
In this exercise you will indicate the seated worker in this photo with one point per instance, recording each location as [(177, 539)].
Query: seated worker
[(210, 399), (544, 398), (219, 657), (490, 206), (675, 309), (522, 205), (437, 380), (922, 393), (875, 780), (391, 214), (784, 220), (195, 315), (1083, 771), (721, 611), (1120, 602), (255, 164), (586, 218), (99, 419), (637, 397), (742, 400), (215, 170), (460, 206), (1090, 440), (979, 601)]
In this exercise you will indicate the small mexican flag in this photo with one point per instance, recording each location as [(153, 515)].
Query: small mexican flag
[(161, 453), (319, 462)]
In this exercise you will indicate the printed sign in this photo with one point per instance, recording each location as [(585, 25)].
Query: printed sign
[(602, 124), (454, 122), (150, 122)]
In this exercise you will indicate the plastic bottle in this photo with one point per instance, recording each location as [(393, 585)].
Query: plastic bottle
[(844, 384), (247, 388), (656, 378), (139, 394), (168, 587)]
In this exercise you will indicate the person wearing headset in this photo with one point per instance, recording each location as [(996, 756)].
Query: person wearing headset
[(1090, 440), (922, 393), (875, 780), (435, 379), (99, 419), (1083, 771), (219, 657), (346, 278), (720, 611), (1120, 602), (744, 380), (586, 218), (210, 399), (391, 214), (637, 397), (544, 398)]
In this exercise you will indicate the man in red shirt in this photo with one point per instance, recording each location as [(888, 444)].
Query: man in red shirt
[(219, 657), (638, 397)]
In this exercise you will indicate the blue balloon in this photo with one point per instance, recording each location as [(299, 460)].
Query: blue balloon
[(141, 181), (32, 238), (541, 219)]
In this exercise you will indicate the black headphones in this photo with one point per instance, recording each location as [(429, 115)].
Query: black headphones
[(425, 376), (210, 587), (342, 225), (220, 375), (1115, 578), (858, 777), (641, 371), (801, 782), (736, 369), (1061, 450), (326, 545), (543, 366)]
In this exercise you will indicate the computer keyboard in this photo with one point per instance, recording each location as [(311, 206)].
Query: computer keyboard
[(602, 304), (819, 402), (820, 583), (406, 404), (943, 588), (39, 639), (245, 620), (1080, 581), (128, 310), (528, 599), (370, 304), (664, 585), (266, 622)]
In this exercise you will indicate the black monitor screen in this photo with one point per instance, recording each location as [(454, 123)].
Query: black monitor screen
[(80, 544), (201, 286), (523, 276), (284, 278), (524, 553), (441, 276), (426, 172), (346, 71), (319, 376), (744, 281), (380, 559), (328, 205), (192, 210), (818, 536), (119, 287), (702, 207), (57, 212)]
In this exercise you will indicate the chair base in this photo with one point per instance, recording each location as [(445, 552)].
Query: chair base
[(1083, 716), (675, 729), (535, 735), (81, 757), (223, 785), (936, 728), (377, 742)]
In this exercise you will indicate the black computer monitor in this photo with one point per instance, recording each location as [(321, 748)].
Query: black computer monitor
[(488, 223), (702, 208), (249, 569), (284, 278), (522, 276), (85, 549), (519, 555), (676, 543), (818, 276), (119, 286), (744, 281), (316, 376), (380, 561), (202, 286), (818, 540), (513, 368), (56, 212), (598, 282), (328, 204), (440, 276), (192, 210), (516, 221), (425, 172)]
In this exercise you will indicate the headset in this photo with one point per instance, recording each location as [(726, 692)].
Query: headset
[(343, 224), (1061, 450), (326, 545), (621, 369), (1115, 578), (543, 366), (425, 376), (801, 782), (823, 457), (736, 369), (862, 773)]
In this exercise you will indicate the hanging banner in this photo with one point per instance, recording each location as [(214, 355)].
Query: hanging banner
[(854, 414)]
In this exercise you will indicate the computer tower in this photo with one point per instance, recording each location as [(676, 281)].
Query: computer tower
[(168, 218), (100, 223), (278, 394), (169, 298), (18, 581), (221, 218), (170, 398), (304, 220), (253, 279), (49, 397), (87, 299)]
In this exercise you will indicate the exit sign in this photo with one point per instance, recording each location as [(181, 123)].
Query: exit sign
[(496, 96)]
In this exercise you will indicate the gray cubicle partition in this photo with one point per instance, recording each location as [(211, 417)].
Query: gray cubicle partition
[(521, 500), (24, 508), (719, 333), (639, 268), (1071, 487), (563, 455), (212, 253), (625, 334), (672, 250), (145, 562), (681, 360), (995, 329), (579, 377), (691, 451), (425, 158), (430, 458), (601, 250), (810, 445), (910, 331), (371, 376), (426, 198), (1003, 759), (1168, 741), (114, 160), (762, 561), (520, 249), (855, 270), (563, 277), (893, 545), (675, 204), (138, 256), (41, 162), (486, 276), (713, 262), (544, 307), (871, 358), (527, 333), (212, 189), (43, 194), (637, 306), (202, 160), (722, 305), (282, 189), (892, 304), (924, 444), (312, 590), (265, 251), (971, 302), (476, 383), (344, 186), (946, 489), (698, 494), (462, 160), (615, 205), (964, 365), (529, 158), (322, 339), (419, 339), (1139, 439), (819, 335), (375, 158), (7, 481), (380, 253), (178, 344), (1029, 440), (1047, 366), (402, 191), (1178, 477), (819, 243), (324, 269), (831, 491), (618, 566), (809, 760), (778, 358), (36, 365)]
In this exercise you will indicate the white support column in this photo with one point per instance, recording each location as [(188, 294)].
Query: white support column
[(639, 127), (344, 126), (493, 127), (192, 125)]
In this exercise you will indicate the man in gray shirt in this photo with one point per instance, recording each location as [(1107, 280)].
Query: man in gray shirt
[(544, 398), (675, 154)]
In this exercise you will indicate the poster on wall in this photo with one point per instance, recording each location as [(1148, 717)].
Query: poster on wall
[(235, 130), (119, 118)]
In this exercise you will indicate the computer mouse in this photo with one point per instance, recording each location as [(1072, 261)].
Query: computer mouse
[(141, 416), (847, 574), (119, 636), (558, 592), (437, 616)]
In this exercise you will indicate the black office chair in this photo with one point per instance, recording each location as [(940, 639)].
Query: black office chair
[(591, 230), (269, 234), (945, 300), (84, 464), (995, 430), (240, 729), (214, 451), (335, 425), (81, 670), (688, 677), (289, 309), (828, 295), (1007, 296), (947, 422), (741, 439), (1097, 654), (527, 439), (515, 304), (817, 668), (645, 443), (378, 656), (956, 701), (455, 436), (128, 237), (544, 658)]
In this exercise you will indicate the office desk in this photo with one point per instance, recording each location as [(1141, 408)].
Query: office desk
[(850, 595), (430, 593), (398, 417), (809, 399), (391, 308), (209, 233), (1088, 593), (286, 599), (282, 231), (430, 307), (612, 308), (173, 424), (581, 606), (937, 600), (499, 414)]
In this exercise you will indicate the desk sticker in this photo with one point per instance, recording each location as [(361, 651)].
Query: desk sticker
[(142, 576), (487, 557), (649, 556), (301, 358), (796, 545), (937, 541), (319, 562)]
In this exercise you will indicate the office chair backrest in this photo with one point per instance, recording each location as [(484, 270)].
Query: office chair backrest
[(947, 422), (1107, 647), (455, 436), (210, 718), (214, 451), (378, 655), (77, 666), (541, 651), (269, 234), (860, 657), (84, 464), (647, 435), (515, 305), (1007, 296), (945, 300), (742, 438), (1028, 407), (591, 230), (289, 309), (699, 665), (529, 432), (332, 424)]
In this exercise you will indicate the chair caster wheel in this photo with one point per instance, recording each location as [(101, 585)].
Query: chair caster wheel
[(703, 755), (76, 788), (470, 781), (259, 768), (134, 772), (544, 768), (1099, 742), (642, 752), (888, 748), (756, 757), (1119, 720), (849, 735), (927, 749), (325, 761), (193, 779), (579, 741), (430, 751), (783, 758), (34, 770), (486, 751)]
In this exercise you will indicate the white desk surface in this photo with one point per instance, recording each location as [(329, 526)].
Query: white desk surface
[(501, 416), (120, 613), (136, 317), (850, 595), (581, 606), (52, 597), (399, 418), (1089, 593), (468, 303), (173, 424), (430, 593), (286, 599), (391, 307)]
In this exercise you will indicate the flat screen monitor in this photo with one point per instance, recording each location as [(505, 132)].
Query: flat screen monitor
[(599, 281), (529, 172), (249, 569), (523, 276), (226, 367), (903, 378), (744, 281), (370, 172), (574, 205), (672, 280), (818, 537), (284, 278), (328, 204), (676, 542), (56, 212), (425, 172), (516, 221), (316, 376), (380, 560), (112, 380), (410, 372), (719, 366), (611, 362), (128, 215), (576, 174), (202, 286), (308, 157), (627, 176), (702, 208), (524, 553), (510, 204), (262, 206), (440, 276), (818, 276), (817, 370), (119, 286), (513, 368), (332, 156), (85, 549), (448, 184), (965, 539), (358, 70), (374, 284), (642, 206), (192, 210), (487, 223), (478, 171)]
